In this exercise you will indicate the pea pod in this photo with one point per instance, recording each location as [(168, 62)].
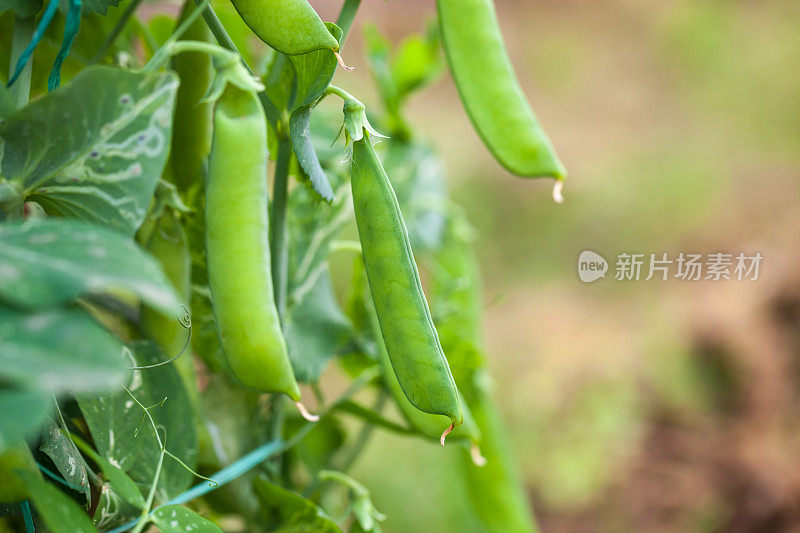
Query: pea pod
[(166, 241), (490, 91), (192, 128), (496, 489), (288, 26), (405, 321), (426, 424), (238, 257)]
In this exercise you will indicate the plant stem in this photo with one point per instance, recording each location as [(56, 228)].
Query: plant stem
[(346, 16), (146, 511), (23, 33), (363, 436), (338, 91), (225, 41), (217, 29), (115, 32), (279, 230), (257, 456), (279, 256)]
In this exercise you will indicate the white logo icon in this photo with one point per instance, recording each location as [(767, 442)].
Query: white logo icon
[(591, 266)]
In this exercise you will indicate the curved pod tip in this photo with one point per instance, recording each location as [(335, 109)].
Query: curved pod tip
[(342, 63), (304, 412), (446, 432), (558, 196)]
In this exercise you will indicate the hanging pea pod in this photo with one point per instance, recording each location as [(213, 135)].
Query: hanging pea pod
[(289, 26), (238, 256), (490, 91), (405, 321), (165, 239), (428, 425), (496, 489), (192, 128)]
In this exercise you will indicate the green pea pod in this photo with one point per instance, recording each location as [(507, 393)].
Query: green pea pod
[(405, 321), (165, 239), (238, 257), (427, 424), (490, 91), (192, 128), (495, 489), (288, 26)]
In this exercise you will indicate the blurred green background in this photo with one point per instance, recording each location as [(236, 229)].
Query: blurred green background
[(667, 406)]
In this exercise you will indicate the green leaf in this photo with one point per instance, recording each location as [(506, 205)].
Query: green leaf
[(294, 512), (228, 413), (317, 448), (121, 483), (114, 420), (60, 350), (7, 105), (57, 511), (99, 6), (180, 519), (14, 458), (106, 169), (21, 413), (316, 329), (47, 262), (378, 51), (23, 8), (279, 82), (60, 449), (314, 71), (313, 225), (417, 62), (419, 182), (300, 132)]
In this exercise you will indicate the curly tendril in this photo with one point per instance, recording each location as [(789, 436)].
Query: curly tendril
[(185, 320)]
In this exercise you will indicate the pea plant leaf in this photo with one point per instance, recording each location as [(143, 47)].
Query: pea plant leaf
[(23, 8), (313, 226), (127, 441), (60, 449), (300, 132), (120, 482), (320, 444), (417, 62), (48, 262), (291, 510), (95, 148), (419, 181), (22, 412), (314, 71), (316, 329), (56, 509), (7, 106), (180, 519), (99, 6), (60, 350)]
